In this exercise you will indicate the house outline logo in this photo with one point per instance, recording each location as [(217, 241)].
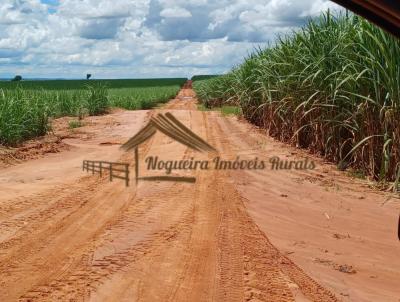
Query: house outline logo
[(173, 128)]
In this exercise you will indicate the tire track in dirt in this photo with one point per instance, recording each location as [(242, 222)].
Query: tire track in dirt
[(60, 231), (87, 272), (47, 239), (79, 281), (262, 281), (99, 241), (29, 214), (274, 264)]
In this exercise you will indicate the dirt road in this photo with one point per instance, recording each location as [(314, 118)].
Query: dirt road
[(256, 235)]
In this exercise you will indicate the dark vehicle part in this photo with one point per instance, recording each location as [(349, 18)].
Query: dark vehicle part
[(384, 13)]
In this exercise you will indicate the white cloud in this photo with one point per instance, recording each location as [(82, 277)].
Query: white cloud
[(175, 12), (140, 38), (17, 12), (321, 5)]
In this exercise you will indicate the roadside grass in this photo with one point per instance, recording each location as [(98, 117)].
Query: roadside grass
[(225, 109), (231, 110), (356, 174), (332, 87), (75, 124), (202, 107)]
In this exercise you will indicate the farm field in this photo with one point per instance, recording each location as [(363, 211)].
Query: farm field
[(27, 106), (332, 87), (81, 84)]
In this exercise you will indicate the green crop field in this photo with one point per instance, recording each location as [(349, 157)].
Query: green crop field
[(203, 77), (26, 106), (81, 84), (332, 87)]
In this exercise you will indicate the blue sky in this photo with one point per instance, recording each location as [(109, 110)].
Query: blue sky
[(50, 2), (141, 38), (52, 5)]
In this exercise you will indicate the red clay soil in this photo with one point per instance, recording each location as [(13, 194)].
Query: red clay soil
[(242, 235)]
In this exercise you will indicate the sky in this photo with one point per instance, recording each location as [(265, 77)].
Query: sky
[(141, 38)]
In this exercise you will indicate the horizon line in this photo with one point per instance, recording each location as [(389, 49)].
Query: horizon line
[(91, 79)]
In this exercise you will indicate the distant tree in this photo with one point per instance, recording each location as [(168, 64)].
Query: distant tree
[(88, 76), (17, 78)]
